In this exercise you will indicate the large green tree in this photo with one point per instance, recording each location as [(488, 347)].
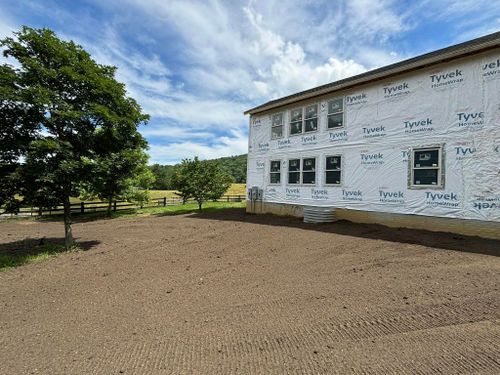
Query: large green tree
[(201, 180), (71, 115)]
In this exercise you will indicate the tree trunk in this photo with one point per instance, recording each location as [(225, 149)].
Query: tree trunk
[(110, 206), (200, 202), (68, 234)]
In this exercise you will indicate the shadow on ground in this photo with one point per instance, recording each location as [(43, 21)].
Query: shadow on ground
[(16, 253), (440, 240)]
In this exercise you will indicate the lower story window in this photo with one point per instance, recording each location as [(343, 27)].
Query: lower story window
[(302, 171), (294, 171), (309, 171), (275, 174), (426, 167), (333, 170)]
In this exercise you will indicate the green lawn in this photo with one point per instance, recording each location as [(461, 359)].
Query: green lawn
[(234, 189), (30, 254)]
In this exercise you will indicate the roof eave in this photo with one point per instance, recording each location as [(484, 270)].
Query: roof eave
[(419, 62)]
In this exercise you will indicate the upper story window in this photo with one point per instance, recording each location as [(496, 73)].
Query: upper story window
[(304, 120), (277, 126), (335, 113), (311, 121), (426, 167)]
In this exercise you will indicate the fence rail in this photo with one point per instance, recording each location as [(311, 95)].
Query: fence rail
[(101, 206)]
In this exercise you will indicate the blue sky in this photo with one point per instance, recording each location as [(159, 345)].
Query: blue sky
[(195, 66)]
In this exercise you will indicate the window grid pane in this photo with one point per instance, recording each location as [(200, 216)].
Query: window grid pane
[(296, 127), (275, 178), (277, 119), (309, 164), (335, 106), (333, 163), (425, 176), (311, 125), (333, 177), (296, 115), (277, 132), (336, 120), (312, 111), (426, 158), (293, 177), (294, 165), (308, 177)]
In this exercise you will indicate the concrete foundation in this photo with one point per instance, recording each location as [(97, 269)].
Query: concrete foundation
[(486, 229)]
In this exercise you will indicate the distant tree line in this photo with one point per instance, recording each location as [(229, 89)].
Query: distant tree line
[(235, 166)]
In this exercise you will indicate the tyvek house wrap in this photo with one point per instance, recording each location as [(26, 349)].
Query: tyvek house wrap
[(456, 105)]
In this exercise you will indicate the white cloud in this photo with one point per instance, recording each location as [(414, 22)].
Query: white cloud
[(196, 66), (233, 56)]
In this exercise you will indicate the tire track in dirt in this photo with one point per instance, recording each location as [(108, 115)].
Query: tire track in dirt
[(238, 350)]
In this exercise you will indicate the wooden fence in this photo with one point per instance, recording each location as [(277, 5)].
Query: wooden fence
[(91, 207)]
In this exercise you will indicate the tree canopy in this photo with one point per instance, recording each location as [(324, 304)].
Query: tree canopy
[(64, 122), (201, 180)]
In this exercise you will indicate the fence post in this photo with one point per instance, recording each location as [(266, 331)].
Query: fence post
[(82, 207), (164, 201), (228, 198), (114, 206)]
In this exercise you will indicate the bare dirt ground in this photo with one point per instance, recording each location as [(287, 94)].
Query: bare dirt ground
[(229, 293)]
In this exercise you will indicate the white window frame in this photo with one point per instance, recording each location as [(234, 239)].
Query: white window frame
[(303, 121), (440, 167), (301, 171), (341, 170), (271, 172), (328, 114), (277, 126)]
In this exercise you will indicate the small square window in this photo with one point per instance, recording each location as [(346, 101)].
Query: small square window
[(426, 167)]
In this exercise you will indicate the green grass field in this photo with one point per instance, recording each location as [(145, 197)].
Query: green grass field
[(234, 189)]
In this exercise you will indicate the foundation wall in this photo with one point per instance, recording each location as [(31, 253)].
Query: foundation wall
[(480, 228)]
